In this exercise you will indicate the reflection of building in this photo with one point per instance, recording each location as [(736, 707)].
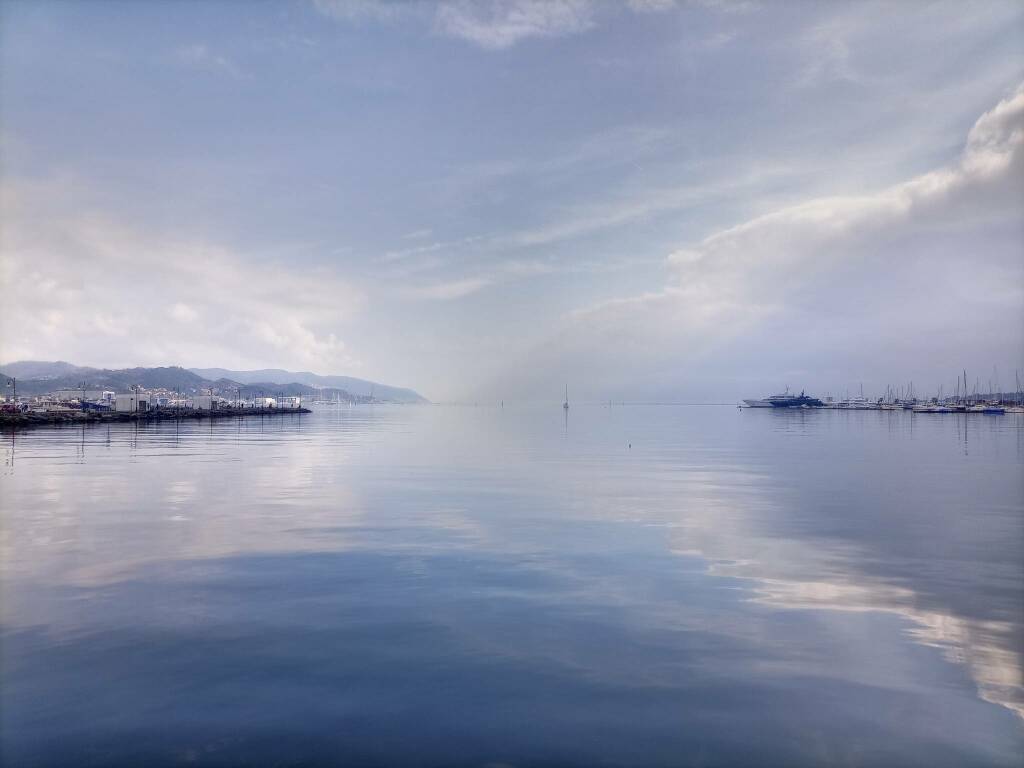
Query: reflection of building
[(132, 402)]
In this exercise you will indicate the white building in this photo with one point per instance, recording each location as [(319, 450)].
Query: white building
[(202, 402), (289, 402), (133, 402), (64, 395)]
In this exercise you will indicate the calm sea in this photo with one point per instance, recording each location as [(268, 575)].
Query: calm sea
[(474, 586)]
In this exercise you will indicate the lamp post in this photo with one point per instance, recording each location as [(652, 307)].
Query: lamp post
[(13, 382)]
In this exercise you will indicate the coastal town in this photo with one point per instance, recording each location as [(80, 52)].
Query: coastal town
[(139, 401), (40, 392), (94, 405)]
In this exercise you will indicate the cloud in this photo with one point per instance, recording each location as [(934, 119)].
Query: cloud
[(489, 24), (366, 10), (651, 6), (447, 291), (183, 313), (660, 6), (928, 269), (120, 296), (500, 24), (827, 52), (497, 24), (405, 254), (806, 236), (634, 205), (418, 234), (198, 56)]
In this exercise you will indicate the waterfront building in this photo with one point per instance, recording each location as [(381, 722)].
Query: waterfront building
[(132, 402), (64, 395)]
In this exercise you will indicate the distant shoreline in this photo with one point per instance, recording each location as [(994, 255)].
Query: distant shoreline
[(49, 418)]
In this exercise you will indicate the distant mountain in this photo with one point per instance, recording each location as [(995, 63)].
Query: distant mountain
[(67, 376), (347, 383), (39, 377), (39, 369)]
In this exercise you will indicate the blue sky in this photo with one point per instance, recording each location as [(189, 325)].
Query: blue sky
[(486, 200)]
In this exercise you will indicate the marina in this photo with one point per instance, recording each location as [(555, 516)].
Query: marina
[(992, 403)]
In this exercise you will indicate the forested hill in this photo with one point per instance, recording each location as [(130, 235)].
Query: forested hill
[(40, 377)]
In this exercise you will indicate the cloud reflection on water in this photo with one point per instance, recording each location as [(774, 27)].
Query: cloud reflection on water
[(718, 560)]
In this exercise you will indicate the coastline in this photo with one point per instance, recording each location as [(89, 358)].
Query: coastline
[(49, 418)]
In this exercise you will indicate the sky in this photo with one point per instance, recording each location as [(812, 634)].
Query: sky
[(686, 201)]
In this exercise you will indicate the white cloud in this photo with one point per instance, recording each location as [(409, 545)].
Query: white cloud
[(446, 291), (118, 296), (489, 24), (805, 235), (418, 234), (931, 267), (827, 52), (497, 24), (183, 313), (660, 6), (199, 56), (405, 254), (365, 10), (500, 24), (631, 206), (651, 6)]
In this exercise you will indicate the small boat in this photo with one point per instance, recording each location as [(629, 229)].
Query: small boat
[(991, 408), (859, 403)]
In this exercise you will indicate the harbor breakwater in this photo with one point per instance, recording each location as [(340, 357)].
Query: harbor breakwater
[(75, 417)]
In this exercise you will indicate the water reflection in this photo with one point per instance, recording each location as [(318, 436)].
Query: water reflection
[(975, 621), (427, 585)]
